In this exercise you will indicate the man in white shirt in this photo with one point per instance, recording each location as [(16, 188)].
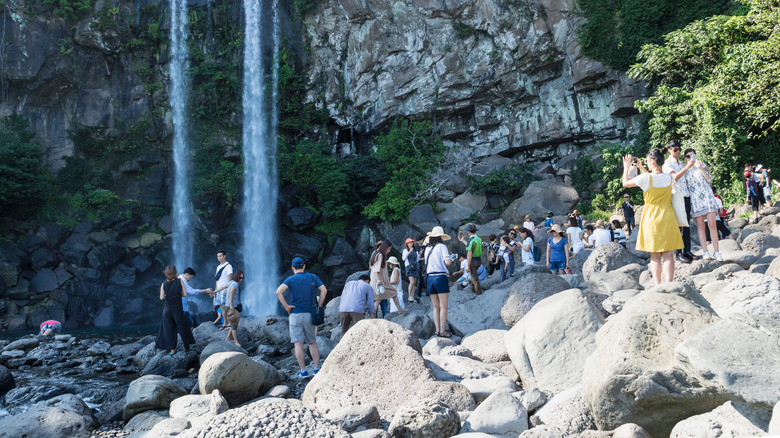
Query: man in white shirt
[(222, 277), (678, 170), (186, 277)]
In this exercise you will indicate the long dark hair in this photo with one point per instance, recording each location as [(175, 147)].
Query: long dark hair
[(528, 233), (384, 249)]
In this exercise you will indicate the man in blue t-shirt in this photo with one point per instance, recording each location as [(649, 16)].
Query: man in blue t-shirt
[(303, 288)]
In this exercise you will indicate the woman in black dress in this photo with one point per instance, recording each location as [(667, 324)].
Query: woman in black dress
[(173, 320)]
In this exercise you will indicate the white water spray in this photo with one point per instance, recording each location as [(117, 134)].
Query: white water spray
[(182, 224), (260, 187)]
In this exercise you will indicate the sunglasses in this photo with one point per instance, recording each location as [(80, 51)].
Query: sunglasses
[(676, 149), (241, 277)]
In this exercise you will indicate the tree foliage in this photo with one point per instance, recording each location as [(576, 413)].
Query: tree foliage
[(24, 180), (410, 152), (505, 181), (615, 30), (717, 88)]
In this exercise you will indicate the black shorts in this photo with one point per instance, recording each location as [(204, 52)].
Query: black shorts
[(755, 203)]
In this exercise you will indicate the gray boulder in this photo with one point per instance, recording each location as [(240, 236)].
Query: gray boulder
[(746, 346), (145, 421), (198, 408), (7, 381), (237, 377), (754, 294), (24, 344), (566, 414), (163, 364), (423, 419), (501, 415), (106, 255), (539, 198), (221, 346), (528, 291), (632, 376), (487, 345), (452, 394), (416, 320), (469, 313), (607, 283), (729, 419), (353, 417), (65, 416), (549, 345), (480, 379), (392, 352), (758, 243), (605, 258), (269, 417), (150, 393)]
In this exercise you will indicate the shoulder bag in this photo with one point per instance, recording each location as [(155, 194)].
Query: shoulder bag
[(317, 312), (678, 205)]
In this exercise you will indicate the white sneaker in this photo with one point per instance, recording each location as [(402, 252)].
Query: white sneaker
[(718, 257), (411, 300), (706, 256)]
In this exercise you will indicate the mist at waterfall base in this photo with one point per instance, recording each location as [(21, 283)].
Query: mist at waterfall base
[(183, 235), (260, 236)]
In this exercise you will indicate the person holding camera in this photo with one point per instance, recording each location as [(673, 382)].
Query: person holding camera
[(703, 204)]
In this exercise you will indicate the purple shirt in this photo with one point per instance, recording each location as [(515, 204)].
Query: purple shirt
[(356, 297)]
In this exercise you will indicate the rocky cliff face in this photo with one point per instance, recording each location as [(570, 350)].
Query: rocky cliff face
[(499, 76)]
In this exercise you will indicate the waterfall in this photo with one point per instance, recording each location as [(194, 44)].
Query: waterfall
[(260, 187), (182, 225)]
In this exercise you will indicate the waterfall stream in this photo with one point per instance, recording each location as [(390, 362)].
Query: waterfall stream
[(260, 235), (182, 224)]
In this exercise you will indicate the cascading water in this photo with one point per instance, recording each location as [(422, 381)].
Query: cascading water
[(182, 225), (260, 187)]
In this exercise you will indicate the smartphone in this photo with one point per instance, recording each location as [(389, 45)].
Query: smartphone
[(693, 157)]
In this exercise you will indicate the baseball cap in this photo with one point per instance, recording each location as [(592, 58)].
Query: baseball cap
[(298, 262)]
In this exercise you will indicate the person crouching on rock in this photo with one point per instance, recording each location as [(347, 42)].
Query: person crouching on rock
[(303, 298), (50, 327), (658, 230), (438, 261), (356, 298), (173, 319)]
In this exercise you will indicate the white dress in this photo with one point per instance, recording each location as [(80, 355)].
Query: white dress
[(702, 199), (400, 288)]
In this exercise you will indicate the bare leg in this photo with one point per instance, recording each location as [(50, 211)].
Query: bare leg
[(398, 305), (412, 287), (713, 230), (314, 350), (299, 354), (668, 266), (435, 302), (701, 232), (655, 266), (444, 300)]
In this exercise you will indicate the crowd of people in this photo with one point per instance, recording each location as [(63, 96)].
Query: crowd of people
[(676, 190)]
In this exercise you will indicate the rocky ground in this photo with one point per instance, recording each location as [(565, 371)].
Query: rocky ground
[(598, 353)]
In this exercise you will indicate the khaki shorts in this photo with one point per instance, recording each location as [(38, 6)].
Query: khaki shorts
[(301, 328)]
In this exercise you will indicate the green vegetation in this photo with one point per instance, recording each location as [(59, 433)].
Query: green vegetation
[(24, 180), (70, 9), (606, 164), (506, 181), (717, 88), (615, 30), (410, 152)]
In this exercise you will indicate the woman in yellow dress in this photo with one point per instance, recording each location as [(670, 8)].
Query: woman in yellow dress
[(659, 233)]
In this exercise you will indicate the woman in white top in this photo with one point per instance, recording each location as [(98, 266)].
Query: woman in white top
[(575, 235), (528, 224), (601, 234), (527, 246), (379, 277), (437, 263), (411, 260), (395, 281)]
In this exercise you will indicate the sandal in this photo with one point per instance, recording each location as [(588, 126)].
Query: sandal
[(445, 334)]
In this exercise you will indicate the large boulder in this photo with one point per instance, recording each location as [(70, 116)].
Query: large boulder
[(416, 320), (149, 393), (44, 281), (452, 394), (549, 345), (566, 414), (607, 283), (774, 268), (353, 417), (755, 294), (738, 357), (730, 419), (65, 416), (460, 209), (300, 219), (423, 419), (221, 346), (392, 352), (539, 198), (7, 381), (469, 313), (237, 376), (528, 291), (106, 255), (605, 258), (632, 376), (501, 415), (487, 345), (481, 379), (198, 408), (268, 418), (423, 217), (758, 243), (163, 364)]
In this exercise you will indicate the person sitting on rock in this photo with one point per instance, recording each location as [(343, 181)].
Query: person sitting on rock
[(601, 234), (618, 233), (548, 221), (303, 298), (528, 224), (50, 327)]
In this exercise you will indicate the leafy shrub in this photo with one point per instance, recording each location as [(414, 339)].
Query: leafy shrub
[(410, 153), (70, 9), (24, 180), (613, 32), (506, 181)]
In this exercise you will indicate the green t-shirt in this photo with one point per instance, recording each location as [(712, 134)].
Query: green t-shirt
[(475, 246)]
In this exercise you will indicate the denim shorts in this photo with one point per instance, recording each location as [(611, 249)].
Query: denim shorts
[(558, 266), (438, 284)]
